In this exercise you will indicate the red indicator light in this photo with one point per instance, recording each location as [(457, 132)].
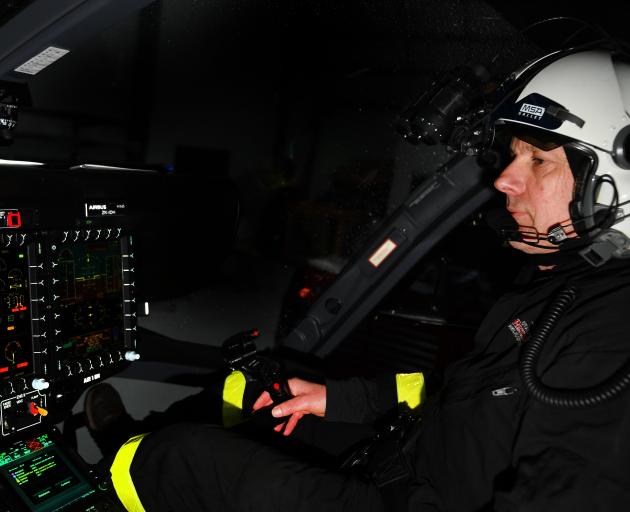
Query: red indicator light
[(22, 365), (14, 220), (4, 370), (255, 333), (33, 409), (276, 386), (34, 445), (304, 293)]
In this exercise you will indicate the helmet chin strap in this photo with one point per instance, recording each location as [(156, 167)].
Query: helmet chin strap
[(557, 235), (564, 246), (507, 228)]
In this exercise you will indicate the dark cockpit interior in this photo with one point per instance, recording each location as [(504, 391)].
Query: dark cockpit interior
[(173, 172)]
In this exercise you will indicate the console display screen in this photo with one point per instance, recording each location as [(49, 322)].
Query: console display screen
[(88, 287), (44, 479), (15, 327)]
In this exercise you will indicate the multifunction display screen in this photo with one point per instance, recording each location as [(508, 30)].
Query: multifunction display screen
[(44, 479), (88, 287), (15, 327)]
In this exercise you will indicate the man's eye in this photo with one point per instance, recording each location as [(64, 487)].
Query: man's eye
[(537, 161)]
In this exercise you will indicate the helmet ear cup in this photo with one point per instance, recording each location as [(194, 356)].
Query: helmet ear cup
[(621, 148), (583, 164)]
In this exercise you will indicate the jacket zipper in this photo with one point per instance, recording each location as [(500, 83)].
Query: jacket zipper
[(506, 391)]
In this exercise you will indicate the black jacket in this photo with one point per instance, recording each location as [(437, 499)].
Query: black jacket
[(486, 444)]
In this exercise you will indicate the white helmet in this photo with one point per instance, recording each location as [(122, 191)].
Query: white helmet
[(581, 101)]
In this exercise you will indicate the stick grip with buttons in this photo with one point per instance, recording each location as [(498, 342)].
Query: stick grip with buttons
[(240, 353)]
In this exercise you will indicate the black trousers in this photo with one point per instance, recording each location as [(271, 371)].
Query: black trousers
[(334, 439), (192, 467)]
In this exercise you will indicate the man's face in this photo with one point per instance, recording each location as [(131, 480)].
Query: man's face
[(538, 186)]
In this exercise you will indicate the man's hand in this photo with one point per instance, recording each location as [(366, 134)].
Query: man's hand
[(309, 398)]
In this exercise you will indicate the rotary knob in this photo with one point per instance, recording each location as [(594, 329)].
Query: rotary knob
[(40, 384), (132, 355)]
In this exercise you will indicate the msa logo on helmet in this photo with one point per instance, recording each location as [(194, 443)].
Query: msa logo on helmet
[(531, 111)]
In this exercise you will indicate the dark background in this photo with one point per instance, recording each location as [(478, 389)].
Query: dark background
[(282, 110), (270, 125)]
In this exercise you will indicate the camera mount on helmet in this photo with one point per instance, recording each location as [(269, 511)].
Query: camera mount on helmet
[(448, 113)]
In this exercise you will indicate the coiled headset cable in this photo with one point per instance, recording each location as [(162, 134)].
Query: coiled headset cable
[(563, 397)]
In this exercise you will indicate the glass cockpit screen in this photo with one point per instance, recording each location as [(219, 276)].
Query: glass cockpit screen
[(88, 285), (44, 479), (15, 332)]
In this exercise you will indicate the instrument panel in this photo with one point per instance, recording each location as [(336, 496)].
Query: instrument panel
[(67, 315)]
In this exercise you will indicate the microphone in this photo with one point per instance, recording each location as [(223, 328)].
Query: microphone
[(502, 223)]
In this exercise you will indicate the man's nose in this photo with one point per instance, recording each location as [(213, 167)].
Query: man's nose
[(511, 180)]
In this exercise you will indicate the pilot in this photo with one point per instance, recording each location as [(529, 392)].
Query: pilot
[(536, 417)]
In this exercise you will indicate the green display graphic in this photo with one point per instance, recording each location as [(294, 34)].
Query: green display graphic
[(88, 283), (16, 355), (42, 476)]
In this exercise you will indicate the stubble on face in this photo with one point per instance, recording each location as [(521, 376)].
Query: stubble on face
[(539, 187)]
